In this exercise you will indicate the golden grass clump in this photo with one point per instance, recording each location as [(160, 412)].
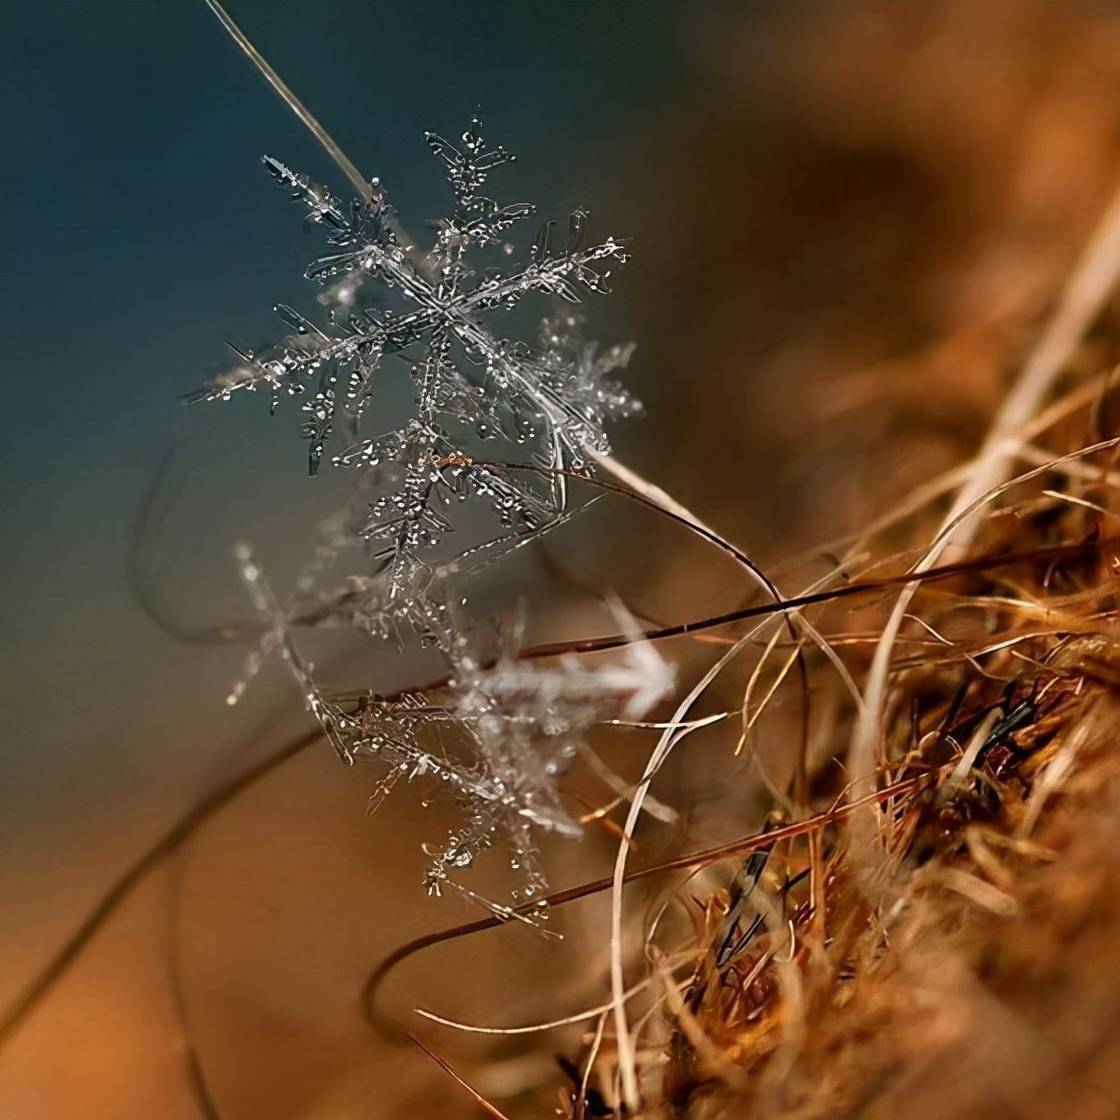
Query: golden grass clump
[(938, 938)]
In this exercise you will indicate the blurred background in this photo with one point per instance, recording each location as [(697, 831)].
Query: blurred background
[(846, 220)]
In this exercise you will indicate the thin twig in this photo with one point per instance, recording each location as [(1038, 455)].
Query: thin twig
[(492, 1109), (313, 126)]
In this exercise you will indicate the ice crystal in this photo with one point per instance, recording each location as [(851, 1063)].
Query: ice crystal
[(465, 377), (518, 725), (512, 728)]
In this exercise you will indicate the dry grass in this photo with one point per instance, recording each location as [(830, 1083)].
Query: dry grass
[(964, 962), (961, 963)]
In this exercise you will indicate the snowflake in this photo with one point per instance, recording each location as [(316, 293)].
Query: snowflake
[(521, 726), (513, 729), (465, 377)]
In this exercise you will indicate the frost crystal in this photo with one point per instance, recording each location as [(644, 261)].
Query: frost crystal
[(515, 727)]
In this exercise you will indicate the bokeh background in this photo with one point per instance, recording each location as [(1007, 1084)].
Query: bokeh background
[(835, 209)]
